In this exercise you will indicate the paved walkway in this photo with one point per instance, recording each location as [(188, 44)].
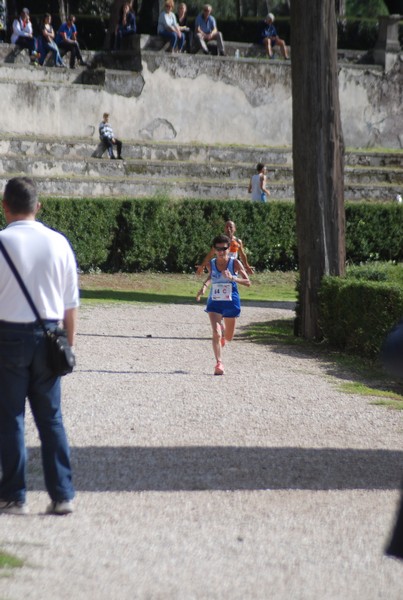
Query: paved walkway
[(268, 482)]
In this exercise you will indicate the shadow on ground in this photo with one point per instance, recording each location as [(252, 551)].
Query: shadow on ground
[(279, 335), (126, 468), (132, 296)]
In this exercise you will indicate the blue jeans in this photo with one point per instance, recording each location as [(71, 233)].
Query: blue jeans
[(24, 373), (173, 39), (45, 47)]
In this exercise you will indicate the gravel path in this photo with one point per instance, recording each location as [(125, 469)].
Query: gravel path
[(268, 482)]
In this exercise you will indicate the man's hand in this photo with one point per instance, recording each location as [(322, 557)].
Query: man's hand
[(200, 269)]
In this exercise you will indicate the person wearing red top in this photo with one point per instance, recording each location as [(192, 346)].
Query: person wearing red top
[(236, 250)]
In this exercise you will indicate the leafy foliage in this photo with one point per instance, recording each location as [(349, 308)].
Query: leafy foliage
[(357, 314), (174, 235)]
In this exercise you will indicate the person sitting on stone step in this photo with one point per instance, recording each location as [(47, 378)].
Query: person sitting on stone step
[(269, 38), (46, 42), (108, 139), (127, 24), (182, 20), (169, 29), (66, 39), (22, 34), (206, 31)]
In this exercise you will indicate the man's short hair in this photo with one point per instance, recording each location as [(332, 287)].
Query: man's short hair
[(221, 239), (207, 7), (259, 167), (21, 196)]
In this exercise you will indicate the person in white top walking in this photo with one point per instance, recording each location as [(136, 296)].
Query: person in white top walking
[(47, 266), (257, 184)]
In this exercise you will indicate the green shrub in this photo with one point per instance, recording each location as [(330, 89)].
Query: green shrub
[(356, 315), (88, 224), (174, 235), (374, 231)]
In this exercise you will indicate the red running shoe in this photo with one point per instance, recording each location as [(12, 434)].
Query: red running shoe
[(219, 368)]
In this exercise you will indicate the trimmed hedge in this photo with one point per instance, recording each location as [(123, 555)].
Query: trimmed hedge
[(356, 315), (174, 235), (168, 235), (374, 231)]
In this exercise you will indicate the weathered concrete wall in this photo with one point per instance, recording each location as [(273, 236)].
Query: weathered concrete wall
[(197, 98)]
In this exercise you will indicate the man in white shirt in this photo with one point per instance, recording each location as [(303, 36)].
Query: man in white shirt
[(23, 34), (46, 264)]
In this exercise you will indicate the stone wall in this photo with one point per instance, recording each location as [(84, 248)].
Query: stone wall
[(195, 99)]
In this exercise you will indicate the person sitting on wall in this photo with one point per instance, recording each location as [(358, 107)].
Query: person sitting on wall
[(108, 139), (46, 42), (169, 29), (268, 37), (127, 24), (206, 31), (66, 39), (182, 19), (22, 34)]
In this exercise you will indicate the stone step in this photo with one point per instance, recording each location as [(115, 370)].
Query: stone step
[(145, 186), (132, 168), (143, 150), (14, 145)]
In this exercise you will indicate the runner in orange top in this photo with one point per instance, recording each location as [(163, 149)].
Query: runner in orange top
[(236, 250)]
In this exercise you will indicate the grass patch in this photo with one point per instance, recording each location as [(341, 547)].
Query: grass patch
[(8, 561), (355, 375), (178, 288), (386, 397)]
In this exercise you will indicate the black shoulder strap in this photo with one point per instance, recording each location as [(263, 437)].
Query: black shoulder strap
[(21, 284)]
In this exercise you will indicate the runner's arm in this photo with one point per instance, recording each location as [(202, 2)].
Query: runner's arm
[(203, 288), (250, 270), (205, 262)]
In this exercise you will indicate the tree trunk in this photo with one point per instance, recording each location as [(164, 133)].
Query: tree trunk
[(148, 14), (317, 153), (341, 8), (62, 11)]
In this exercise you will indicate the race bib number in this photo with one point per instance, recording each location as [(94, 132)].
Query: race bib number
[(222, 291)]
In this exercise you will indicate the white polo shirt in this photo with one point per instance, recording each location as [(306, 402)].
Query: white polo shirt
[(47, 265)]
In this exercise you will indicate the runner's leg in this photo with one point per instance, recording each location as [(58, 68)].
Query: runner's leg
[(215, 320), (230, 323)]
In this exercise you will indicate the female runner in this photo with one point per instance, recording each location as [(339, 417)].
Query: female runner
[(223, 304)]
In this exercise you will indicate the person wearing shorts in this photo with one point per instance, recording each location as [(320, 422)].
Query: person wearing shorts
[(223, 304)]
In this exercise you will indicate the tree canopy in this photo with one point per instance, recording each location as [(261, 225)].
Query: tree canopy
[(223, 9)]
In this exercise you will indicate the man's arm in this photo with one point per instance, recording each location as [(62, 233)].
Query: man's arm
[(263, 185), (250, 270), (18, 31), (205, 262), (70, 324)]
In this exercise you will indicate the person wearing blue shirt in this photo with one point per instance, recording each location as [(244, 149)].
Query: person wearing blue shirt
[(66, 39), (268, 37), (206, 31)]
